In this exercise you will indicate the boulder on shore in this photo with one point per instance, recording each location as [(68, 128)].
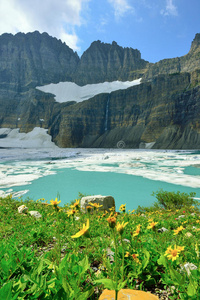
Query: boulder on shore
[(107, 202)]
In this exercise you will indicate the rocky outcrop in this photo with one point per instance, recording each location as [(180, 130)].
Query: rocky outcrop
[(186, 63)]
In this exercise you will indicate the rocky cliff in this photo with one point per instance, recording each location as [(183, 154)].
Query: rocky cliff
[(162, 112), (109, 62), (27, 60), (186, 63)]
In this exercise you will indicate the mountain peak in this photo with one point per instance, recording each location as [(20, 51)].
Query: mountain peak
[(195, 43)]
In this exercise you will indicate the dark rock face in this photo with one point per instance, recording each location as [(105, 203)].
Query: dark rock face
[(136, 116), (105, 62), (164, 110), (28, 60)]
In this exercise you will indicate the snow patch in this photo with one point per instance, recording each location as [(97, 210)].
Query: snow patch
[(70, 91), (37, 138)]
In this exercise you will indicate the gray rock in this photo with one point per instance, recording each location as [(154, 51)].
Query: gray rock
[(107, 202), (126, 241), (163, 229), (35, 214), (22, 209), (188, 267), (182, 216)]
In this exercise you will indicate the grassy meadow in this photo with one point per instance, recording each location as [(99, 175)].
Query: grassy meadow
[(68, 254)]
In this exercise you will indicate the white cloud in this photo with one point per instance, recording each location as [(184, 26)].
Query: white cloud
[(59, 18), (70, 39), (170, 9), (121, 7)]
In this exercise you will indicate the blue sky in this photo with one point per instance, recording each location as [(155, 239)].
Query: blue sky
[(158, 28)]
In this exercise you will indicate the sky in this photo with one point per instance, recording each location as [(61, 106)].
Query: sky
[(159, 29)]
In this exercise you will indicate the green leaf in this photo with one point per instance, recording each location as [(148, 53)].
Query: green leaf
[(177, 278), (40, 267), (47, 261), (121, 285), (146, 259), (192, 289), (108, 283), (162, 261), (84, 264), (5, 267), (6, 291), (85, 295)]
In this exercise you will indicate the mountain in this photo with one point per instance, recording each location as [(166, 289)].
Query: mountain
[(186, 63), (162, 112), (109, 62)]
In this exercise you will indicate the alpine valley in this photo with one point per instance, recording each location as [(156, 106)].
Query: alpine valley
[(161, 111)]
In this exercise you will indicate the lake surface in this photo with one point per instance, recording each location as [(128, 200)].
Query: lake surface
[(130, 176)]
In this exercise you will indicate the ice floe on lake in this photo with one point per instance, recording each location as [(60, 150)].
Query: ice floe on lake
[(24, 166), (37, 138)]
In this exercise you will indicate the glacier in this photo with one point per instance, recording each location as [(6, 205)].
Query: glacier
[(70, 91)]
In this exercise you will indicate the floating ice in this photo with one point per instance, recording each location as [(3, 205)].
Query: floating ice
[(37, 138), (70, 91), (166, 166)]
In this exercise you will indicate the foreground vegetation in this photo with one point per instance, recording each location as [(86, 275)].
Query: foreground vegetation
[(67, 254)]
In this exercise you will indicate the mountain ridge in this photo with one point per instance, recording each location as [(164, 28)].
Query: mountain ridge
[(162, 111)]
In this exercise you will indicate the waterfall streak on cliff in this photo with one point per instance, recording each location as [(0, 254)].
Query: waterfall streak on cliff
[(106, 118)]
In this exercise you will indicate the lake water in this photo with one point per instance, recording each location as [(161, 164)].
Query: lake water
[(130, 176)]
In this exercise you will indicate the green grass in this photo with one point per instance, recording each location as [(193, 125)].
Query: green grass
[(40, 260)]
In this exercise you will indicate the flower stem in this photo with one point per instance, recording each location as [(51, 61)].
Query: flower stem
[(116, 294), (122, 277), (116, 265)]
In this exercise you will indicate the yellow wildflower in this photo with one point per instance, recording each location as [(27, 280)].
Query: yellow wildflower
[(137, 231), (135, 257), (88, 208), (150, 220), (180, 248), (71, 212), (112, 209), (152, 225), (120, 227), (123, 208), (75, 205), (55, 202), (95, 205), (84, 231), (173, 254), (112, 222), (176, 231), (127, 254)]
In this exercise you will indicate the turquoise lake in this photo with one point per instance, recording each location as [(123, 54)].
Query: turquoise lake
[(67, 178)]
